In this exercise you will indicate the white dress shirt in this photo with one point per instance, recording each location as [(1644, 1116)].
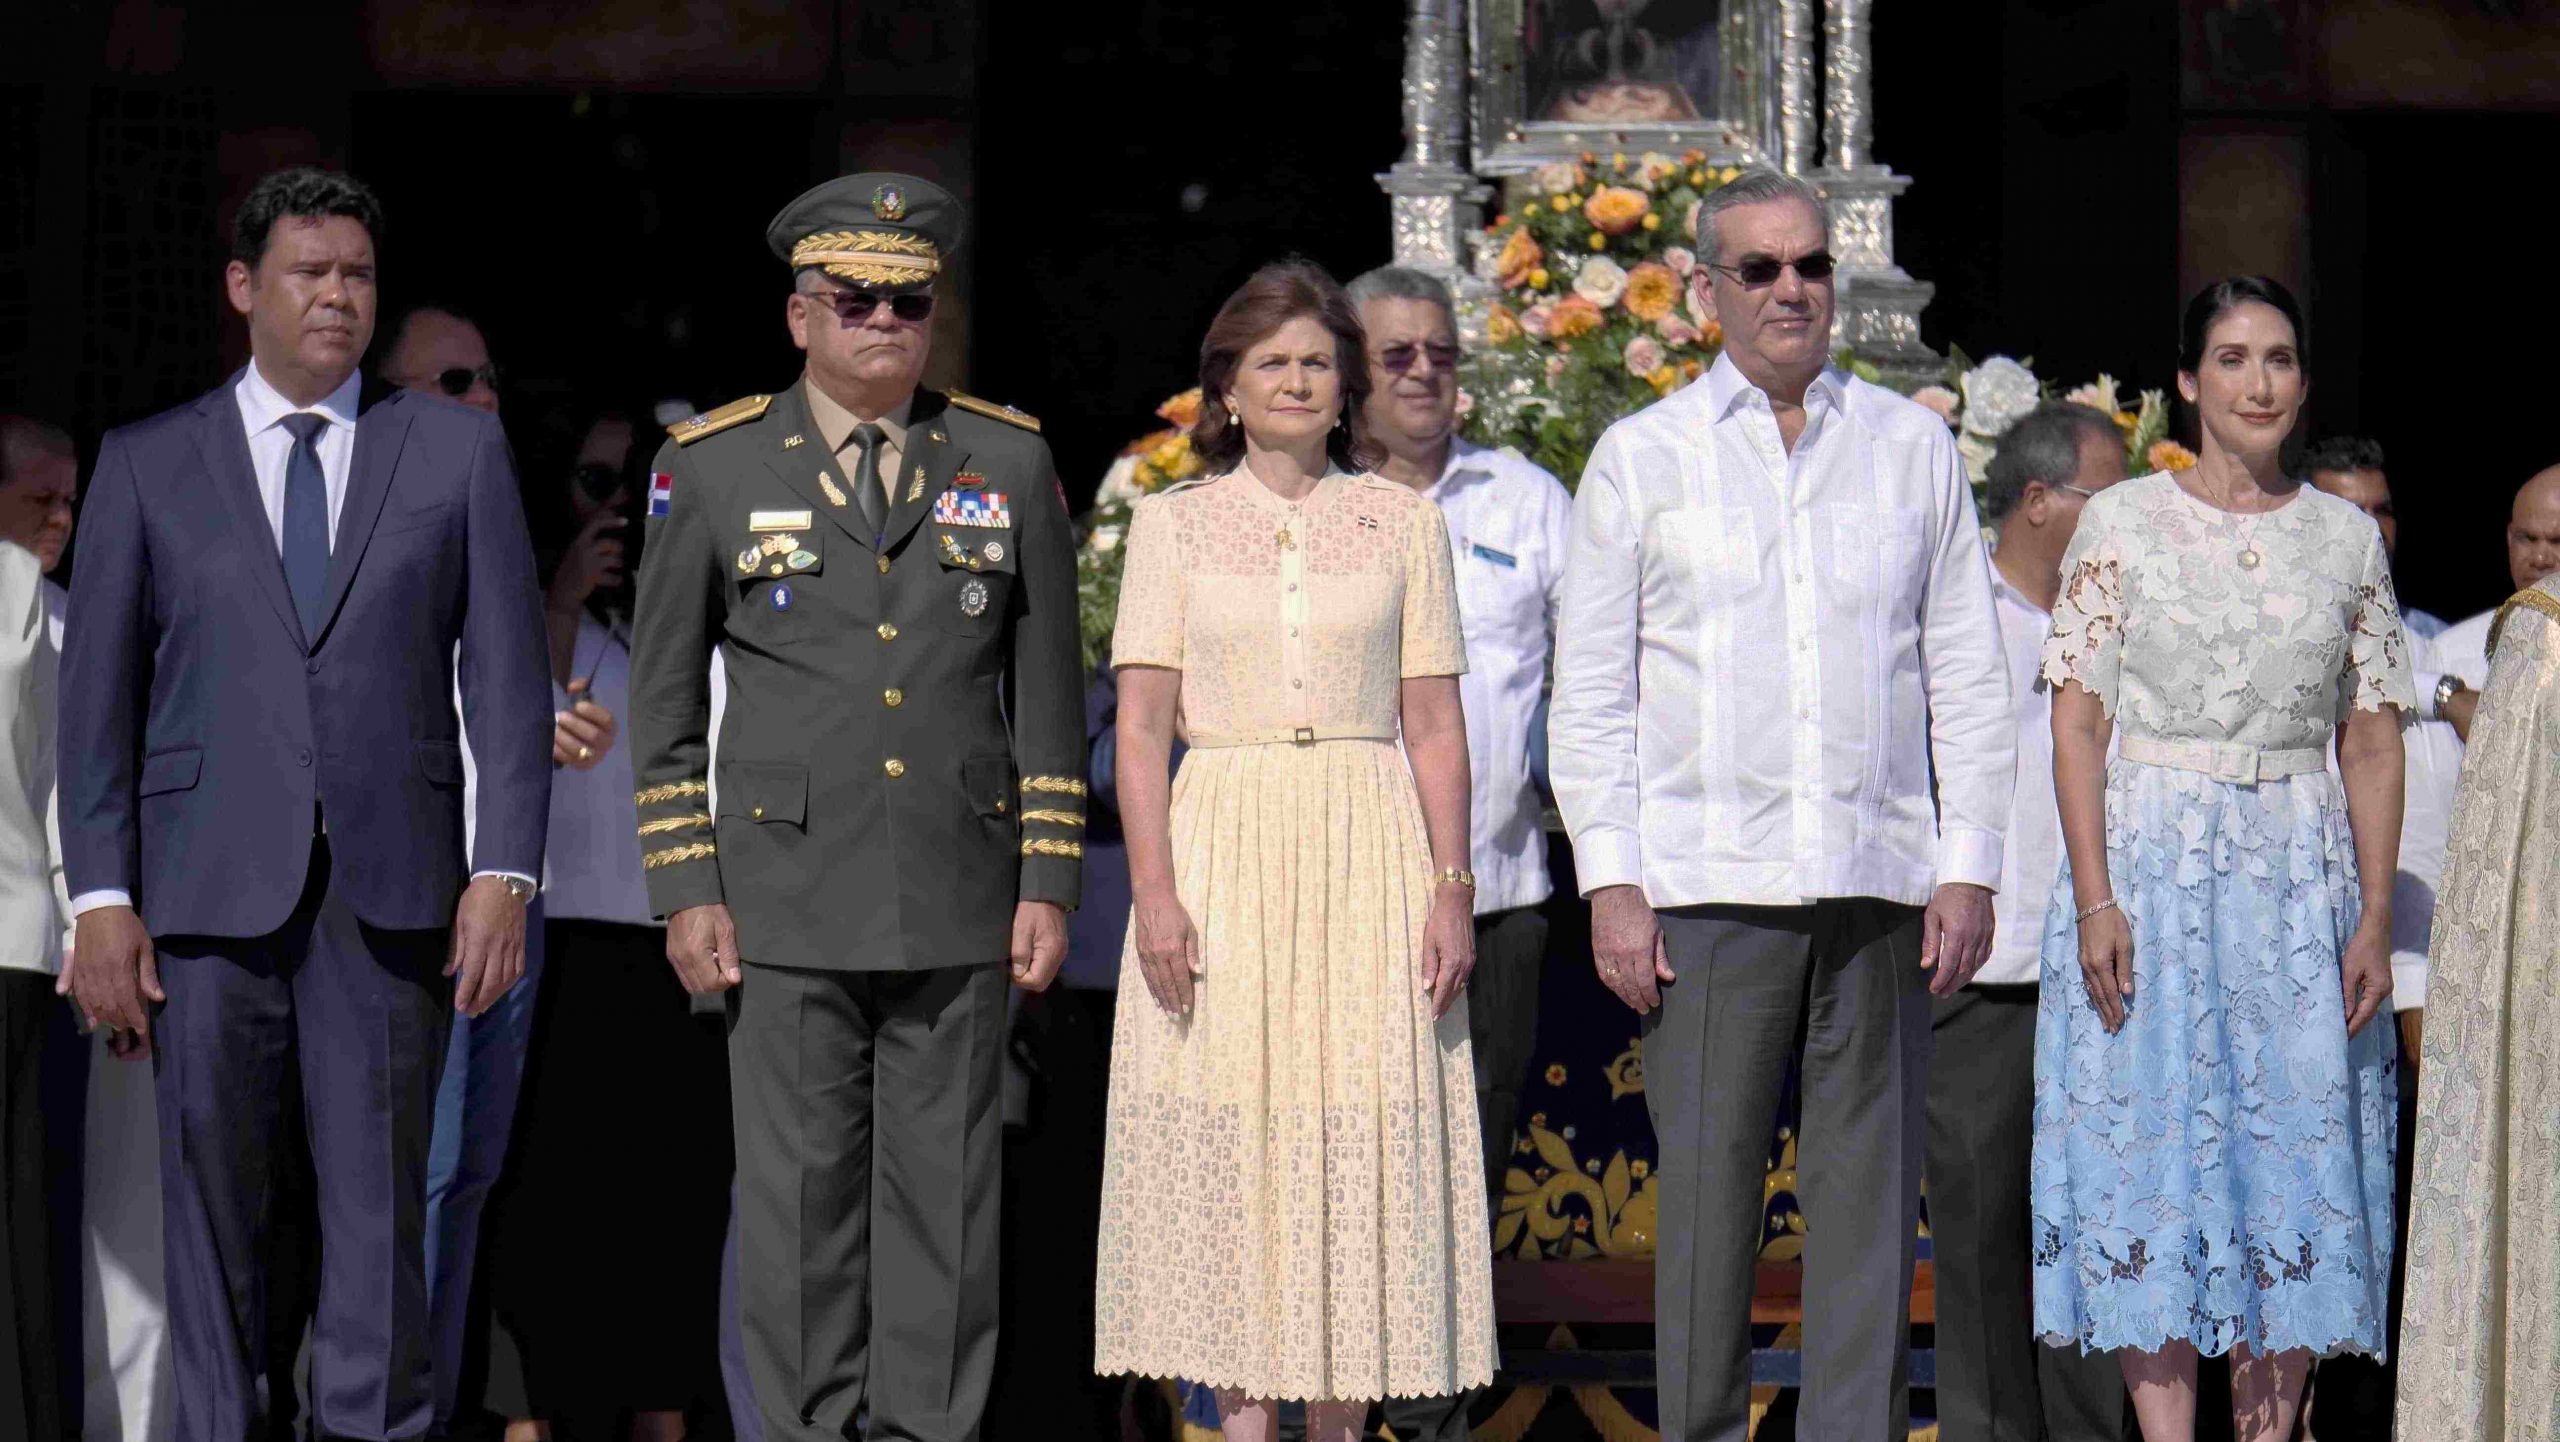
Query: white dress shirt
[(1509, 522), (2031, 859), (1763, 657), (263, 409), (2433, 759)]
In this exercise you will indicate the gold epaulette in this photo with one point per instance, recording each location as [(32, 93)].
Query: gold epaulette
[(992, 411), (711, 423), (2532, 598)]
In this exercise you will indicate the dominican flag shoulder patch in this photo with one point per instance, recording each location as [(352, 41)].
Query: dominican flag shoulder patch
[(662, 492)]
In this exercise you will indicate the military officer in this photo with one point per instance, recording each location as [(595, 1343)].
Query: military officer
[(888, 576)]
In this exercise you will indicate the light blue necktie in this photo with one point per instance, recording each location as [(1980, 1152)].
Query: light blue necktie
[(306, 521)]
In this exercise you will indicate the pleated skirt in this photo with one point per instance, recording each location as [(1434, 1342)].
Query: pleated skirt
[(1293, 1194)]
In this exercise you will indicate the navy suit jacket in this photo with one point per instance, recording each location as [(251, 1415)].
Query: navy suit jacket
[(204, 737)]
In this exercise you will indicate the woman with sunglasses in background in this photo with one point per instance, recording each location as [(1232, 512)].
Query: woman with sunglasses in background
[(605, 1251)]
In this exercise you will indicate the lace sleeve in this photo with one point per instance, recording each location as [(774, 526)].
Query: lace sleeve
[(2086, 643), (1148, 629), (1433, 643), (2377, 672)]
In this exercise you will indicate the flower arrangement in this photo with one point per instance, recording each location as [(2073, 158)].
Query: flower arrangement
[(1981, 402), (1145, 466), (1599, 308)]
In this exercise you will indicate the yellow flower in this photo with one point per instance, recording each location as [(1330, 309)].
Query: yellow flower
[(1519, 258), (1573, 316), (1691, 369), (1538, 278), (1729, 175), (1183, 410), (2170, 456), (1664, 378), (1652, 290), (1500, 325), (1698, 179), (1617, 209), (1599, 241), (1618, 162), (1652, 220), (1560, 203), (2126, 421)]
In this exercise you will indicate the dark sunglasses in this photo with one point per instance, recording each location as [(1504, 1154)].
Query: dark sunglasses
[(853, 307), (1399, 358), (597, 480), (1759, 270), (457, 381)]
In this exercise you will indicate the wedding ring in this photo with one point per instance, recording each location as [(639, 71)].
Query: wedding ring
[(586, 753)]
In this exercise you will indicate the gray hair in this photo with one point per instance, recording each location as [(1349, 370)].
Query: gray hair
[(1402, 282), (2042, 448), (1756, 187)]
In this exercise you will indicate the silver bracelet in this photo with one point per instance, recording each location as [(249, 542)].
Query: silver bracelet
[(2089, 911)]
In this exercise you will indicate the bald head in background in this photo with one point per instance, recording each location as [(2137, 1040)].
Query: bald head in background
[(2533, 529), (39, 476), (437, 352)]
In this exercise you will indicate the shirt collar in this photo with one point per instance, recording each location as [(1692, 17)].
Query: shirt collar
[(1465, 456), (2003, 590), (1725, 387), (262, 405), (835, 424)]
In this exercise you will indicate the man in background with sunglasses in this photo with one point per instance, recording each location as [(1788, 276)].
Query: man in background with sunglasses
[(1783, 743), (1508, 521), (437, 351), (887, 574)]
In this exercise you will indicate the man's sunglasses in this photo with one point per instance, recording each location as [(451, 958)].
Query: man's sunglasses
[(1399, 358), (1759, 270), (853, 307), (457, 380)]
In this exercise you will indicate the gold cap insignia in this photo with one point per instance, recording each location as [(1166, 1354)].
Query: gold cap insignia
[(889, 203)]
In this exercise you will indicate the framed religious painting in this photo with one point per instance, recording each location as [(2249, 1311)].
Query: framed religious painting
[(1554, 78)]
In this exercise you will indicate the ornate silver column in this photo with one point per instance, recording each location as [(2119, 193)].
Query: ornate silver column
[(1435, 203), (1795, 86), (1880, 302)]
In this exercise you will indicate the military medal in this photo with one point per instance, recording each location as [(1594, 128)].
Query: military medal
[(973, 597), (994, 552), (782, 598), (747, 561), (802, 560), (969, 481), (827, 483)]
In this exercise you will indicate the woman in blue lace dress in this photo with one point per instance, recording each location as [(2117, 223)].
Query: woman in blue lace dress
[(2214, 1115)]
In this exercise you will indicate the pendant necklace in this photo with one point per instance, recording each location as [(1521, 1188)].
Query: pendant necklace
[(2249, 556)]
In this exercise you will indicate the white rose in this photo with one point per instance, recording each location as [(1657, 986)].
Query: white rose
[(1681, 260), (1119, 484), (1560, 177), (1600, 281), (1976, 453), (1104, 540), (1997, 395)]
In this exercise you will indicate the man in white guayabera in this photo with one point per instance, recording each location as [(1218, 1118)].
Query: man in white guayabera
[(1783, 744)]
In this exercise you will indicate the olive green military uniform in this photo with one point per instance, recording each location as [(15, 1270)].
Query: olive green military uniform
[(900, 761)]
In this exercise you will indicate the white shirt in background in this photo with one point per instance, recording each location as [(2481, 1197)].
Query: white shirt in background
[(1765, 658), (2433, 752), (1509, 522), (2032, 860)]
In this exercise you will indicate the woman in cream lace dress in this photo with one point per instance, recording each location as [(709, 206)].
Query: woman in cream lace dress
[(1293, 1193)]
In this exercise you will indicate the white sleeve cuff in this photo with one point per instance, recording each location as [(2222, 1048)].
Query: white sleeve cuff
[(1607, 859), (509, 875), (1969, 856), (2408, 981), (89, 901)]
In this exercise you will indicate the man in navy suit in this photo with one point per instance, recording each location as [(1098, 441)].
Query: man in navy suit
[(262, 801)]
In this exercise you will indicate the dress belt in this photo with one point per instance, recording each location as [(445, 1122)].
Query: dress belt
[(2223, 760), (1289, 735)]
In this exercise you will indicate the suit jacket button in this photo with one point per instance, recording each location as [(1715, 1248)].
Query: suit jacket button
[(895, 767), (894, 696), (311, 667), (888, 632), (301, 758), (757, 814)]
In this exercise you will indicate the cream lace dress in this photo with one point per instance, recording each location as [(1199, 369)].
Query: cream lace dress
[(1293, 1193)]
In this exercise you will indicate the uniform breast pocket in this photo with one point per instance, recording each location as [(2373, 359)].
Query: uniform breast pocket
[(1881, 554), (1497, 588), (772, 570), (978, 568)]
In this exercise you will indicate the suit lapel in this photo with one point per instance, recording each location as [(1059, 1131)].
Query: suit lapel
[(931, 462), (380, 428), (225, 445), (800, 466)]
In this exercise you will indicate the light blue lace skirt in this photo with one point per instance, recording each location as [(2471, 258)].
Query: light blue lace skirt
[(2219, 1170)]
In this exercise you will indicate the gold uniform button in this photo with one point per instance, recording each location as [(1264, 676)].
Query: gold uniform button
[(895, 767), (999, 806), (894, 696), (756, 814), (888, 632), (884, 565)]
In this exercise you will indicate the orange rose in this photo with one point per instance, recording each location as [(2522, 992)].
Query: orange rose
[(1183, 410), (1500, 325), (1652, 290), (2170, 456), (1573, 316), (1616, 209), (1519, 256)]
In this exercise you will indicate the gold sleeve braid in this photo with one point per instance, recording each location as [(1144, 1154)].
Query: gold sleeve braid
[(1061, 805), (1045, 846), (669, 792), (673, 854), (666, 824)]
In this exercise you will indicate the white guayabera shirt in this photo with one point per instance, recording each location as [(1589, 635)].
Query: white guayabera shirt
[(1778, 676)]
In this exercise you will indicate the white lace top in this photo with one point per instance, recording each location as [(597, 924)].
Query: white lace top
[(2178, 639)]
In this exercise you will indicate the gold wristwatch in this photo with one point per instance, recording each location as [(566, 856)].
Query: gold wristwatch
[(1458, 874)]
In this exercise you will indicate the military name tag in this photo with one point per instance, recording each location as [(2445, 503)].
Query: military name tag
[(777, 520), (980, 508)]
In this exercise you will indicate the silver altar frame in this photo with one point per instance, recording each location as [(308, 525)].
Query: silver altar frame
[(1770, 117)]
